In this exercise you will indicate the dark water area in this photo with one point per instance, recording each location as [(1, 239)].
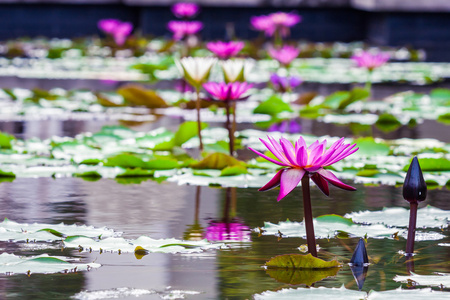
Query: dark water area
[(168, 210)]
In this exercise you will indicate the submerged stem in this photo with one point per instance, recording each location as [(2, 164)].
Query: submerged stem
[(411, 228), (199, 123), (310, 236)]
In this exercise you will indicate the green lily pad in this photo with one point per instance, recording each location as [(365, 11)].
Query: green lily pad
[(300, 261), (137, 95), (272, 106), (387, 122), (217, 161), (305, 276)]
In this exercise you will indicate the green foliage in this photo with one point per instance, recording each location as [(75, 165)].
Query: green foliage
[(137, 95), (217, 161), (5, 140), (444, 118), (368, 147), (150, 68), (295, 276), (387, 122), (335, 218), (342, 99), (299, 261), (272, 106), (432, 165)]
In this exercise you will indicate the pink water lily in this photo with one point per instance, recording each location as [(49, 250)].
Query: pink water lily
[(276, 22), (225, 50), (227, 91), (370, 60), (284, 55), (185, 9), (117, 29), (301, 160), (180, 29)]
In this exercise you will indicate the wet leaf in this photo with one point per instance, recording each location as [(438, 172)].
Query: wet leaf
[(136, 172), (137, 95), (52, 231), (233, 171), (217, 161), (387, 122), (272, 106), (369, 147), (295, 276), (432, 164), (335, 218), (299, 261), (5, 140), (444, 118)]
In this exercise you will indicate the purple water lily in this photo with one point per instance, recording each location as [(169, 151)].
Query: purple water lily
[(185, 9), (181, 29), (286, 126), (305, 161), (284, 84), (225, 50)]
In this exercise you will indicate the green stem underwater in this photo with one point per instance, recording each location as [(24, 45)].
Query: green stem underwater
[(307, 209), (229, 128), (199, 123)]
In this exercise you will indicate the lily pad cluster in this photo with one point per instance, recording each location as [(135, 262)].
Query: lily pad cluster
[(389, 223), (122, 153)]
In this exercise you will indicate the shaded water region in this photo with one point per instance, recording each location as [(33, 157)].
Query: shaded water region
[(168, 210)]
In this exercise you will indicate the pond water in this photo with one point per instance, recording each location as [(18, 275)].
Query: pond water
[(168, 210)]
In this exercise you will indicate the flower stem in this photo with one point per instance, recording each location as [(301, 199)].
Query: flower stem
[(230, 129), (310, 236), (368, 86), (411, 229), (199, 123)]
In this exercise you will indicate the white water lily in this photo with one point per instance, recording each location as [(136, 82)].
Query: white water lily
[(236, 70), (195, 69)]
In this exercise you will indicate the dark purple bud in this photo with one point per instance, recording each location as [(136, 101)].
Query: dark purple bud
[(414, 187), (359, 257), (360, 274)]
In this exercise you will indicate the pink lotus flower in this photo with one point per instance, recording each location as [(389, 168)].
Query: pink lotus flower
[(305, 161), (232, 91), (180, 29), (263, 23), (185, 9), (225, 50), (369, 60), (279, 21), (117, 29), (284, 55)]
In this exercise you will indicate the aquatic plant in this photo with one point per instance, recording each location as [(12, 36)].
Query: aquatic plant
[(414, 191), (277, 24), (301, 163), (225, 50), (182, 29), (284, 55), (185, 10), (370, 61), (228, 92), (235, 70), (196, 71), (117, 29), (284, 84), (286, 126)]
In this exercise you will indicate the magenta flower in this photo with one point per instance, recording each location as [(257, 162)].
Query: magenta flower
[(369, 60), (185, 9), (284, 55), (283, 21), (279, 21), (227, 232), (225, 50), (180, 29), (117, 29), (305, 161), (263, 23), (284, 84), (232, 91)]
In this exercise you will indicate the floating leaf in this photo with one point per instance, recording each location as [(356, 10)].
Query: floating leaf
[(137, 95), (299, 261), (334, 100), (369, 147), (441, 279), (136, 172), (5, 140), (233, 171), (335, 218), (444, 118), (387, 122), (12, 264), (296, 276), (217, 161), (272, 106), (432, 164)]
